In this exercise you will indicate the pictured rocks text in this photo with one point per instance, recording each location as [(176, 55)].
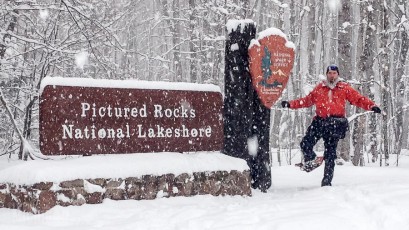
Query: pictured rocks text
[(144, 119)]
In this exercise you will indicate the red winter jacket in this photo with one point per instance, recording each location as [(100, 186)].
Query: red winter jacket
[(331, 102)]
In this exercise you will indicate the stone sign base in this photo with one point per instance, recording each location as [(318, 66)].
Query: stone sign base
[(41, 197)]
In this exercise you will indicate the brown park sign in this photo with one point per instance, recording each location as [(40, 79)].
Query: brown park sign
[(89, 116), (271, 62)]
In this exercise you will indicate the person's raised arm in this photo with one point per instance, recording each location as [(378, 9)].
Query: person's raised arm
[(303, 102), (355, 98)]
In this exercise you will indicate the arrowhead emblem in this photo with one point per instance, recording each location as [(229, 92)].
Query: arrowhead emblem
[(271, 61)]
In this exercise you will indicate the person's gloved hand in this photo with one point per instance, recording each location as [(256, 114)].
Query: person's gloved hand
[(285, 104), (376, 109)]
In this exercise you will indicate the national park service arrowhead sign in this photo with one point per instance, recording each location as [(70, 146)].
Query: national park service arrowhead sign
[(271, 61)]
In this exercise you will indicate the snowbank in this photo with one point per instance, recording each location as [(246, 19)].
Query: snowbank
[(119, 166)]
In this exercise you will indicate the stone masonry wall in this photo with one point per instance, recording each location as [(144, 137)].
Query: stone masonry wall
[(41, 197)]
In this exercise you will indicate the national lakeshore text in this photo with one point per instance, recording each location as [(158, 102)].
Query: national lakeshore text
[(140, 127)]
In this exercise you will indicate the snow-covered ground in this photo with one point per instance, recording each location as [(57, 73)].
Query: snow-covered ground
[(369, 197)]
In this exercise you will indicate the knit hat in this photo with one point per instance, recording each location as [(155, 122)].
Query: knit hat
[(332, 67)]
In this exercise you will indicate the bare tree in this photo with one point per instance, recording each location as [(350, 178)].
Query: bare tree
[(400, 51), (384, 67), (345, 61), (40, 40), (366, 73)]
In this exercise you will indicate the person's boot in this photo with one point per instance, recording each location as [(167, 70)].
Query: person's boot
[(325, 182), (308, 166)]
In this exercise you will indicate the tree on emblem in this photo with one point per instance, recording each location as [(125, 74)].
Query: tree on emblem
[(265, 66)]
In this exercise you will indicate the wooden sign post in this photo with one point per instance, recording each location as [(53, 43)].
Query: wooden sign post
[(256, 73), (246, 120)]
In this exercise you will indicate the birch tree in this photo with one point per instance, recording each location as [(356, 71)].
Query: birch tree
[(345, 22)]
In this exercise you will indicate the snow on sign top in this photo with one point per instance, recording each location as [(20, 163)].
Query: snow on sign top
[(269, 32), (127, 84), (232, 25)]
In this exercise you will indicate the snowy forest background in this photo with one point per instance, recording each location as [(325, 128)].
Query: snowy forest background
[(184, 41)]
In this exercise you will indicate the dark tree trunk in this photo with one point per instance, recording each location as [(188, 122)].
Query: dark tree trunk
[(245, 118)]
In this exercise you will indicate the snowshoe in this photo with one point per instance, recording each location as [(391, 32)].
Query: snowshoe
[(311, 165)]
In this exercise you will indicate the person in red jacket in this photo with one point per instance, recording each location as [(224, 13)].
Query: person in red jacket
[(329, 123)]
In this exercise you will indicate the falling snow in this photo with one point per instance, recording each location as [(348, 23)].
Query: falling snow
[(43, 14), (334, 5), (81, 59)]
